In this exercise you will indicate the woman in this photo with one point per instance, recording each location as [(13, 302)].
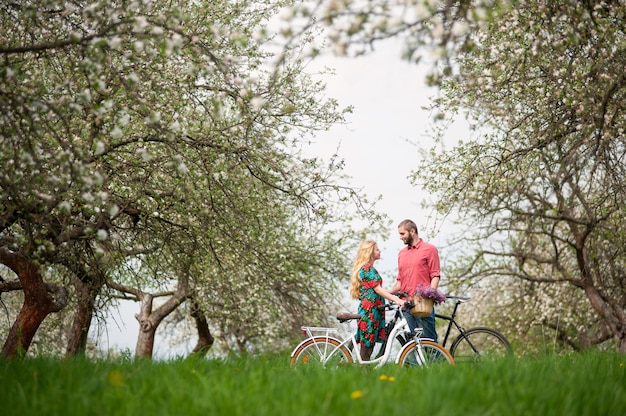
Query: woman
[(366, 285)]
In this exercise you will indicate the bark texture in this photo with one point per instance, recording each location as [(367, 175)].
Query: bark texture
[(40, 299)]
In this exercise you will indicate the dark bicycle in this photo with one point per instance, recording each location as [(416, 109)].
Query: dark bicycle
[(476, 343), (471, 345)]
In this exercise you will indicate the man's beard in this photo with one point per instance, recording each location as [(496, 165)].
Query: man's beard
[(409, 241)]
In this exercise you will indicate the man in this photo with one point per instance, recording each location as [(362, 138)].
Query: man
[(418, 263)]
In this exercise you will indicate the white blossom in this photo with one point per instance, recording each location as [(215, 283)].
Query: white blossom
[(153, 118), (124, 120), (114, 42), (100, 148), (85, 95), (182, 168), (459, 28), (98, 179), (114, 210), (141, 23), (257, 102), (27, 158), (116, 132), (175, 126), (143, 153), (102, 234)]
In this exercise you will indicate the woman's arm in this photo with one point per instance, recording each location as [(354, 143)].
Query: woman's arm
[(382, 292)]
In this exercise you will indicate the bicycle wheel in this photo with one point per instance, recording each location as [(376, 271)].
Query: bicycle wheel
[(433, 354), (480, 343), (321, 351)]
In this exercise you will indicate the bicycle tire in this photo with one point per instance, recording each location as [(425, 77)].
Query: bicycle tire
[(321, 351), (434, 354), (480, 343)]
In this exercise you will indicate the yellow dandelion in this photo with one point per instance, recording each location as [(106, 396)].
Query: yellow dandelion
[(392, 378), (383, 377), (116, 378), (357, 394)]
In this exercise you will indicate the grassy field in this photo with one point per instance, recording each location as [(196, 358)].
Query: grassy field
[(577, 384)]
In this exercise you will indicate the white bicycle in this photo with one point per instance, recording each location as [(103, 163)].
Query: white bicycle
[(323, 347)]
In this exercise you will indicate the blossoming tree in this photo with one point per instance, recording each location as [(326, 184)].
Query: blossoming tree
[(153, 149), (539, 187)]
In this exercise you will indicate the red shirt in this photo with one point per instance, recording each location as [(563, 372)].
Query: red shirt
[(417, 264)]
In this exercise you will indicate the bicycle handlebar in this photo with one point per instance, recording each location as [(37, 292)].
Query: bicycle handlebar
[(401, 294), (407, 305), (459, 298)]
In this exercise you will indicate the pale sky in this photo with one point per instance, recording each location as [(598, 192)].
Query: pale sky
[(388, 96), (380, 145)]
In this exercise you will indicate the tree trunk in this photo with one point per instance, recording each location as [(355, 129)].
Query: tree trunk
[(150, 319), (205, 339), (87, 292), (147, 328), (145, 340), (614, 317), (612, 314), (38, 303)]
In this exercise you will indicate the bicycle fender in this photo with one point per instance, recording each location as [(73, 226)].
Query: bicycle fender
[(405, 347), (318, 338)]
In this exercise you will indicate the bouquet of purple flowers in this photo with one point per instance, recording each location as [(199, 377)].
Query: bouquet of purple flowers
[(430, 293)]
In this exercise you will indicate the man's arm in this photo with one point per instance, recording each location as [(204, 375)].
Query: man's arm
[(435, 268), (434, 282)]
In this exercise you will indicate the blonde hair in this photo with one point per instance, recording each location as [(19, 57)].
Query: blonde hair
[(363, 256)]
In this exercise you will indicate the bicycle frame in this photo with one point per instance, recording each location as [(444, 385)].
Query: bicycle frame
[(451, 321)]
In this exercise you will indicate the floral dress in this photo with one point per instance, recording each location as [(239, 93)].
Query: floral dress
[(371, 327)]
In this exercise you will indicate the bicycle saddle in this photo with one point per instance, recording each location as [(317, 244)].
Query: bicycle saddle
[(346, 316)]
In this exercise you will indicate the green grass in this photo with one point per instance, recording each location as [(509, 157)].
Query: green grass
[(577, 384)]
